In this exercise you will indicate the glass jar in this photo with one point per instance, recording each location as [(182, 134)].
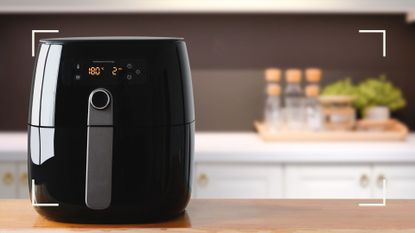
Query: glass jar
[(338, 112), (294, 100)]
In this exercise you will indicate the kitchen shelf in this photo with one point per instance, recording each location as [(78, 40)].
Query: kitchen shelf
[(206, 6)]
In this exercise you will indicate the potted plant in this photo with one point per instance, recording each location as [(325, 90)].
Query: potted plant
[(339, 101), (378, 97)]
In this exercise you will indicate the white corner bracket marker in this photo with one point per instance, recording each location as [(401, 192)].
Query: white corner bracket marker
[(383, 38), (34, 35), (34, 202), (383, 204)]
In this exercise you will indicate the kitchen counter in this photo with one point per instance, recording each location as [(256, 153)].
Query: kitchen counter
[(281, 216), (240, 147)]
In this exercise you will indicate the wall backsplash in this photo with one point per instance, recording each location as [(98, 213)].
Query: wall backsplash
[(228, 54)]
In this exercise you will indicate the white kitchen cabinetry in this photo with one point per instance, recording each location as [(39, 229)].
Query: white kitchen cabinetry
[(213, 180), (352, 169), (8, 172), (350, 181), (13, 180), (328, 181), (22, 183), (241, 165), (400, 180), (278, 180)]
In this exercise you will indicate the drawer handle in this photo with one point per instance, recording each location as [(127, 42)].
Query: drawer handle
[(8, 178), (23, 178), (203, 179), (364, 181), (381, 177)]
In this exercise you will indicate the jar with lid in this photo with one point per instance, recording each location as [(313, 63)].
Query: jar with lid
[(294, 100), (338, 112), (273, 112)]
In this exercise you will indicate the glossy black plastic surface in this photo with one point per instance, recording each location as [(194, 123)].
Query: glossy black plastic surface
[(159, 96), (151, 175), (153, 125)]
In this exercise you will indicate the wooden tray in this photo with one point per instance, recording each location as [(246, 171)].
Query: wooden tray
[(397, 132)]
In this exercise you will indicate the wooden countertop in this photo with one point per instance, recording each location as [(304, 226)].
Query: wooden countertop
[(277, 215)]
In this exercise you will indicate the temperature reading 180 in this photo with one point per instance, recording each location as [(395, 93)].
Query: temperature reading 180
[(95, 70)]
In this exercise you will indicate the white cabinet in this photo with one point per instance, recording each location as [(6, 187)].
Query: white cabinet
[(228, 180), (8, 178), (270, 180), (22, 182), (400, 180), (308, 180), (240, 165), (328, 181), (350, 181), (13, 180)]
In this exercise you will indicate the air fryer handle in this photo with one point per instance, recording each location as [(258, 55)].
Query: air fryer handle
[(98, 182)]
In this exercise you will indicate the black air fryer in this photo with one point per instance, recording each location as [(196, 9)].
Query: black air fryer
[(111, 129)]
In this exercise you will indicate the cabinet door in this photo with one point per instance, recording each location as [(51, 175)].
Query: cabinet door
[(328, 181), (8, 173), (22, 182), (238, 181), (400, 180)]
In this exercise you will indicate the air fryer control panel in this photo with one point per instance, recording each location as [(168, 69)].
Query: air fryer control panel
[(104, 71)]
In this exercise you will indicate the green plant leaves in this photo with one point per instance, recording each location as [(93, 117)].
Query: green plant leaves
[(370, 92), (381, 92)]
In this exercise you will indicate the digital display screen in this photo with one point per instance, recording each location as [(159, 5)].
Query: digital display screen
[(101, 70), (109, 71)]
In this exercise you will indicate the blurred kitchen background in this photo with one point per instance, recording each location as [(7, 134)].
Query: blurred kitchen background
[(234, 46)]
